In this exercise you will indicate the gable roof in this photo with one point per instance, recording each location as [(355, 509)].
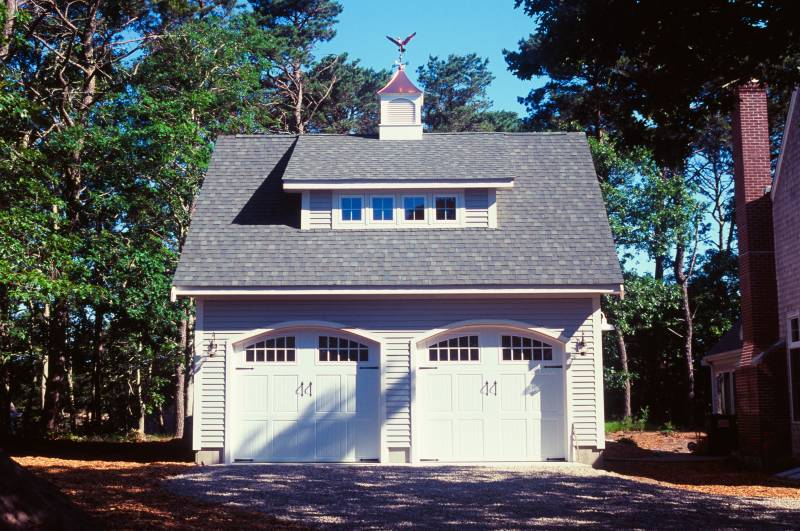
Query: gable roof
[(552, 226), (438, 157), (787, 132), (730, 341)]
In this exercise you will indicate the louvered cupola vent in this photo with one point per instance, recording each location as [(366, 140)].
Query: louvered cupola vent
[(401, 109)]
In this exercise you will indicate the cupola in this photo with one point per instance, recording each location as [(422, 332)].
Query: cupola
[(401, 108)]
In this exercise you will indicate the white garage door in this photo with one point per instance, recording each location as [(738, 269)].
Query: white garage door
[(306, 397), (491, 396)]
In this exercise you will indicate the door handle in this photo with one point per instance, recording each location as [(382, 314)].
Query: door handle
[(494, 388), (299, 389), (309, 389), (485, 388)]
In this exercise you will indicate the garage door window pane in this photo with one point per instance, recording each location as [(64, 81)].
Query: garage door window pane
[(274, 349), (462, 348), (342, 349), (519, 348)]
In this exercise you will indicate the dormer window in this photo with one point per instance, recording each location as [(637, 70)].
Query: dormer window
[(351, 208), (383, 208), (414, 208), (445, 207)]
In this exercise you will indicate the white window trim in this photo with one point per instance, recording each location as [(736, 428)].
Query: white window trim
[(401, 211), (789, 319), (336, 218), (382, 222), (459, 221)]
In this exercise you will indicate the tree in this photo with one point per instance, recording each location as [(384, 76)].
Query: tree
[(353, 105), (301, 86), (455, 92), (654, 79)]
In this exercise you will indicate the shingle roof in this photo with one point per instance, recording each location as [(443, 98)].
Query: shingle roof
[(730, 340), (553, 229), (437, 157)]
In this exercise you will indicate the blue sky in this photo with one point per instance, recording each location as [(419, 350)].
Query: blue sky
[(443, 27)]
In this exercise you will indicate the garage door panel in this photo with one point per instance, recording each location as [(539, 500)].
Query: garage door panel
[(253, 392), (514, 438), (285, 393), (328, 395), (286, 439), (331, 440), (438, 393), (513, 392), (551, 439), (437, 439), (471, 438), (470, 393), (252, 440)]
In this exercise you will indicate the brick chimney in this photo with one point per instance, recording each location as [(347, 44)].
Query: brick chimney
[(751, 154), (762, 403)]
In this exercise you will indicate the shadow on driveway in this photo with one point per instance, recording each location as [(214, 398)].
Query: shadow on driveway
[(478, 497)]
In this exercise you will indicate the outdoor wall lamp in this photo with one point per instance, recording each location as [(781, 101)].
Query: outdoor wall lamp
[(580, 347)]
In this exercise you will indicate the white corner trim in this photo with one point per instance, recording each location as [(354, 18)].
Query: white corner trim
[(600, 417), (229, 435), (545, 333), (305, 210), (394, 185), (237, 340), (786, 128), (197, 384), (481, 292)]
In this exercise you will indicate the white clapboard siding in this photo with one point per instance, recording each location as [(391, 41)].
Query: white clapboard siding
[(397, 322), (476, 207), (320, 208), (401, 111)]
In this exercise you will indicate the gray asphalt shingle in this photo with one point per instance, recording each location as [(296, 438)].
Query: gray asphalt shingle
[(552, 229)]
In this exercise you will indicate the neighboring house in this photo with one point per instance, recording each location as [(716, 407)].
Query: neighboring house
[(401, 298), (758, 361)]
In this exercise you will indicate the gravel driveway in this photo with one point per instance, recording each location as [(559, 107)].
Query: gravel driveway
[(551, 496)]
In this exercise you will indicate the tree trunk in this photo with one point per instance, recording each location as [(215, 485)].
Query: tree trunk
[(97, 367), (682, 279), (8, 27), (140, 403), (73, 420), (5, 351), (56, 362), (623, 357), (180, 380)]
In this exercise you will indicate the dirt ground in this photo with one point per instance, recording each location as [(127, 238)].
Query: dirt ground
[(123, 492), (721, 477)]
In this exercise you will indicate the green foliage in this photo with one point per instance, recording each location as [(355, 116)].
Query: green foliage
[(668, 428), (636, 423), (455, 92)]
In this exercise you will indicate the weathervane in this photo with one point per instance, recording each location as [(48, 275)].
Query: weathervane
[(401, 45)]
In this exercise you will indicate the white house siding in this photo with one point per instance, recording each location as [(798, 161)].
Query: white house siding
[(320, 208), (476, 207), (397, 322)]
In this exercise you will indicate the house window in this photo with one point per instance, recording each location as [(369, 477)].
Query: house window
[(274, 349), (445, 208), (517, 348), (333, 348), (463, 348), (794, 367), (414, 208), (383, 208), (794, 331), (351, 208)]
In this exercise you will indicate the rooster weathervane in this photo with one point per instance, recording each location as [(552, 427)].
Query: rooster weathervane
[(401, 46)]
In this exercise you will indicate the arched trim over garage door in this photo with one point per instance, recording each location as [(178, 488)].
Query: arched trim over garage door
[(312, 407), (489, 391)]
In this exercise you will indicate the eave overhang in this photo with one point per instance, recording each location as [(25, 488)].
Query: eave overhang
[(372, 184), (401, 292)]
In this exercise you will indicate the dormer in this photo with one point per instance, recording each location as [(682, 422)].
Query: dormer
[(401, 109)]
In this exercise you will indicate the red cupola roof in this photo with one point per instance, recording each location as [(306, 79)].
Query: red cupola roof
[(400, 84)]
